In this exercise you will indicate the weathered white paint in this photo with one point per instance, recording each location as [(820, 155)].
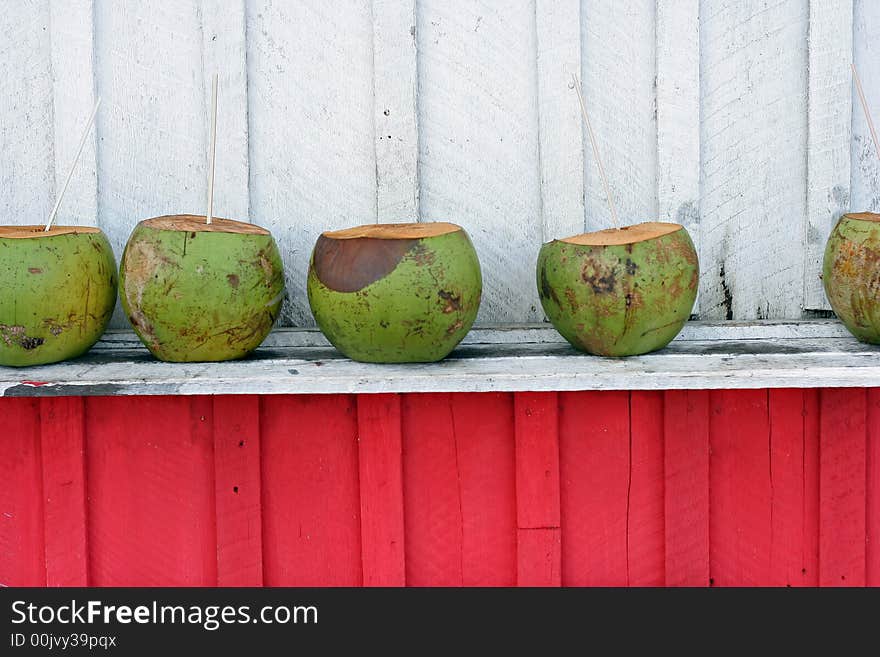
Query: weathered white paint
[(395, 110), (829, 111), (753, 140), (864, 157), (822, 359), (557, 26), (732, 117)]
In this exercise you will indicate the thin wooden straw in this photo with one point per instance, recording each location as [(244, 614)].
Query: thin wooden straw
[(865, 107), (577, 87), (82, 144), (210, 213)]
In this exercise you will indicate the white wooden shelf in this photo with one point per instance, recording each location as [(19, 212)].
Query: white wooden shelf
[(770, 354)]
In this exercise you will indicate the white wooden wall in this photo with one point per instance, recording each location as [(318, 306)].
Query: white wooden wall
[(734, 117)]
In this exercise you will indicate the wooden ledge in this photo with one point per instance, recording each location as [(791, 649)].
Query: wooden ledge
[(808, 354)]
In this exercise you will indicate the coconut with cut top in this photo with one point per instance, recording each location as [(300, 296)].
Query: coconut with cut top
[(197, 291), (851, 274), (619, 292), (395, 293), (57, 294)]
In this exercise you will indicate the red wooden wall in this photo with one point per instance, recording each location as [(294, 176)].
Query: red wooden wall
[(778, 487)]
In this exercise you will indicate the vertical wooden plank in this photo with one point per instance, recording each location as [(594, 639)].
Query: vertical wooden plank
[(537, 489), (486, 452), (238, 490), (62, 437), (645, 543), (459, 489), (872, 490), (478, 142), (152, 125), (561, 145), (73, 83), (395, 110), (431, 492), (27, 168), (829, 134), (380, 466), (753, 208), (594, 468), (865, 163), (224, 51), (812, 412), (311, 510), (740, 488), (686, 486), (150, 465), (22, 546), (842, 469), (792, 555), (678, 115), (619, 66), (312, 150)]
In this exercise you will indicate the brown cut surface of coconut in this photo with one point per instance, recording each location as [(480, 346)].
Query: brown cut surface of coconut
[(627, 235), (349, 265), (23, 232), (411, 231), (193, 223), (864, 216)]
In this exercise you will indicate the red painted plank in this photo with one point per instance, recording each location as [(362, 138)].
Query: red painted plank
[(843, 466), (739, 488), (459, 489), (62, 430), (538, 559), (646, 523), (686, 486), (594, 464), (539, 551), (237, 488), (380, 461), (791, 554), (150, 491), (311, 506), (432, 492), (872, 491), (22, 547), (811, 488)]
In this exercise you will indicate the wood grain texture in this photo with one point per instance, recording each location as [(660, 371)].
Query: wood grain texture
[(829, 134), (872, 490), (27, 128), (380, 468), (618, 60), (740, 489), (686, 487), (842, 503), (22, 544), (753, 137), (558, 47), (238, 490), (395, 110), (151, 491), (62, 450), (311, 510), (679, 115), (311, 128), (595, 475), (646, 520), (73, 95), (864, 158), (478, 142)]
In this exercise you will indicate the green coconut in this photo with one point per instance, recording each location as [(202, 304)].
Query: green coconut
[(620, 292), (851, 274), (57, 292), (201, 292), (395, 293)]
